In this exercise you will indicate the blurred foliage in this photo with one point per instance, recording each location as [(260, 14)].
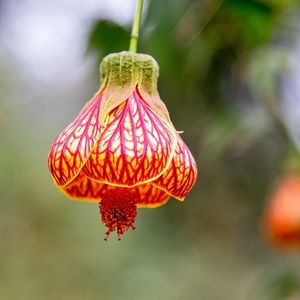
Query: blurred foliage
[(222, 64), (282, 286)]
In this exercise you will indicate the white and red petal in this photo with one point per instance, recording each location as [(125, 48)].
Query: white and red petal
[(181, 174), (73, 146), (135, 147)]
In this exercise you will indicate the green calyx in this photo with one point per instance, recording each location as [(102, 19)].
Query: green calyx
[(130, 69), (121, 74)]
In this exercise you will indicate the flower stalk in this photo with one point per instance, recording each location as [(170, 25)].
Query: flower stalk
[(136, 27)]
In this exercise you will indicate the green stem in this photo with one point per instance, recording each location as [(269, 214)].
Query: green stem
[(136, 27)]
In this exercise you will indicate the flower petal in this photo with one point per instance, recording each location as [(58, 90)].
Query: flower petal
[(83, 188), (73, 146), (151, 196), (181, 175), (136, 146)]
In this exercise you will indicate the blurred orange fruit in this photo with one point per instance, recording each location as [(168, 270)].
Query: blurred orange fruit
[(281, 220)]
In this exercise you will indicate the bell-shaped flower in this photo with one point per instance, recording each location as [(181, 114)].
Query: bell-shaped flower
[(122, 150)]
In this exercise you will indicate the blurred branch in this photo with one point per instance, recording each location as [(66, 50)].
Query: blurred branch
[(191, 25), (276, 119), (266, 68)]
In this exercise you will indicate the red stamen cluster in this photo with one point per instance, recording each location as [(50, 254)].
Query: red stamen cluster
[(118, 210)]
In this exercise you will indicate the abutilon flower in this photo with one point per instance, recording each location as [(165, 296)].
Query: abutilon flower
[(281, 220), (122, 150)]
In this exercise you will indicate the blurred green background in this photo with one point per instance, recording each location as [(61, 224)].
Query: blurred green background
[(229, 75)]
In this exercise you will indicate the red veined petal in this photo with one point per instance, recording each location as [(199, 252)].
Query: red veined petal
[(135, 147), (150, 196), (181, 174), (73, 146), (83, 188)]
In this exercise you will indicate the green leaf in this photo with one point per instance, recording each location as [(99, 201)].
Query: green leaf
[(106, 37)]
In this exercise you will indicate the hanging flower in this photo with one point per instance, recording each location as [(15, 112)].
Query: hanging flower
[(281, 221), (122, 149)]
